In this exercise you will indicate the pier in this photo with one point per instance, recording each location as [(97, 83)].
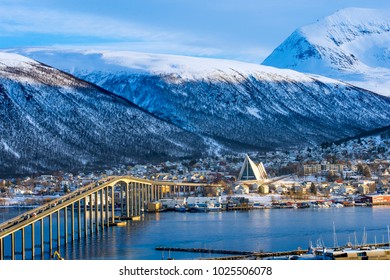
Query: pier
[(235, 254)]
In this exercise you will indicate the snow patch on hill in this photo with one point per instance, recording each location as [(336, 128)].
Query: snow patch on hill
[(101, 62), (15, 60)]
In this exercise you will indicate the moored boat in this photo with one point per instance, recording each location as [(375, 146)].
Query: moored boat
[(198, 208), (180, 208), (205, 207), (363, 253), (211, 207)]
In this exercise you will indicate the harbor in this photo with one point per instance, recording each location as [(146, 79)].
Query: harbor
[(263, 230)]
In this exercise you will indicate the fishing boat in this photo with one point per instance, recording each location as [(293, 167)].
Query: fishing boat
[(211, 207), (180, 208), (199, 207)]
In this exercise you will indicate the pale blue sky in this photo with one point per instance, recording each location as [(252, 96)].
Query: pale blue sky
[(245, 30)]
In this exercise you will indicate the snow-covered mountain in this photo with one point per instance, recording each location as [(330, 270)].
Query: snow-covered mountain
[(231, 104), (352, 45), (50, 120)]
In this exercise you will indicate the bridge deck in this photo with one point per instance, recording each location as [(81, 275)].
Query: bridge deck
[(139, 189)]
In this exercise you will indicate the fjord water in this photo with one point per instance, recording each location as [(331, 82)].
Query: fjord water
[(265, 230)]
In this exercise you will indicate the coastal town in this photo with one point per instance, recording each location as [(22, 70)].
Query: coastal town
[(350, 173)]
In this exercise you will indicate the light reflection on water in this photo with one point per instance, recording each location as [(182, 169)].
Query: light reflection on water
[(266, 230)]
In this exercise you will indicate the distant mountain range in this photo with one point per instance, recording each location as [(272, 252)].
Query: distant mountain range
[(233, 105), (352, 45), (79, 109)]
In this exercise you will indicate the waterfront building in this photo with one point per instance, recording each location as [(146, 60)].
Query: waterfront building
[(378, 199)]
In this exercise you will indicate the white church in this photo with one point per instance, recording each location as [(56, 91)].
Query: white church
[(251, 174)]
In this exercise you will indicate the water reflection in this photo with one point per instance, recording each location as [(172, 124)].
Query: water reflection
[(266, 230)]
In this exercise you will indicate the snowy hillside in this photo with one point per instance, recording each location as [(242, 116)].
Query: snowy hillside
[(84, 62), (231, 104), (50, 120), (352, 45)]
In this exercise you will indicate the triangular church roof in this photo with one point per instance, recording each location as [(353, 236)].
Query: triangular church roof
[(250, 171)]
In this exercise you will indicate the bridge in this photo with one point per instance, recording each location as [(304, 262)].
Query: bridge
[(83, 212)]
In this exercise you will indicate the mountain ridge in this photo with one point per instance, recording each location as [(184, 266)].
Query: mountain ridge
[(51, 121), (218, 98)]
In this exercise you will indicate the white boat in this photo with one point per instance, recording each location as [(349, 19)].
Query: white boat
[(211, 207), (337, 205), (199, 207), (205, 207), (180, 208), (362, 204)]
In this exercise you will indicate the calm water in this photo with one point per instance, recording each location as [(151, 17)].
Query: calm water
[(266, 229)]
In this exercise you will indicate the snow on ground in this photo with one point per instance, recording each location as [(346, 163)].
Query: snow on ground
[(21, 200), (7, 148), (255, 198), (254, 112)]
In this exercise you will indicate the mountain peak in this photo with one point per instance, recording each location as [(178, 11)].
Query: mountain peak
[(347, 25), (352, 45)]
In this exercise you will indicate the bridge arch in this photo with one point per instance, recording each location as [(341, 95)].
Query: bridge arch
[(80, 213)]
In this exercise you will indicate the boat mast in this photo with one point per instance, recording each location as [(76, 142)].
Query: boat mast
[(356, 243), (364, 239)]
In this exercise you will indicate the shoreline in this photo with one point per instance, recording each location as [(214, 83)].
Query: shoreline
[(19, 206)]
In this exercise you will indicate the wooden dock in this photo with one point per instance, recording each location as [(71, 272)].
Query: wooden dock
[(235, 254), (240, 208), (204, 250), (124, 218)]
